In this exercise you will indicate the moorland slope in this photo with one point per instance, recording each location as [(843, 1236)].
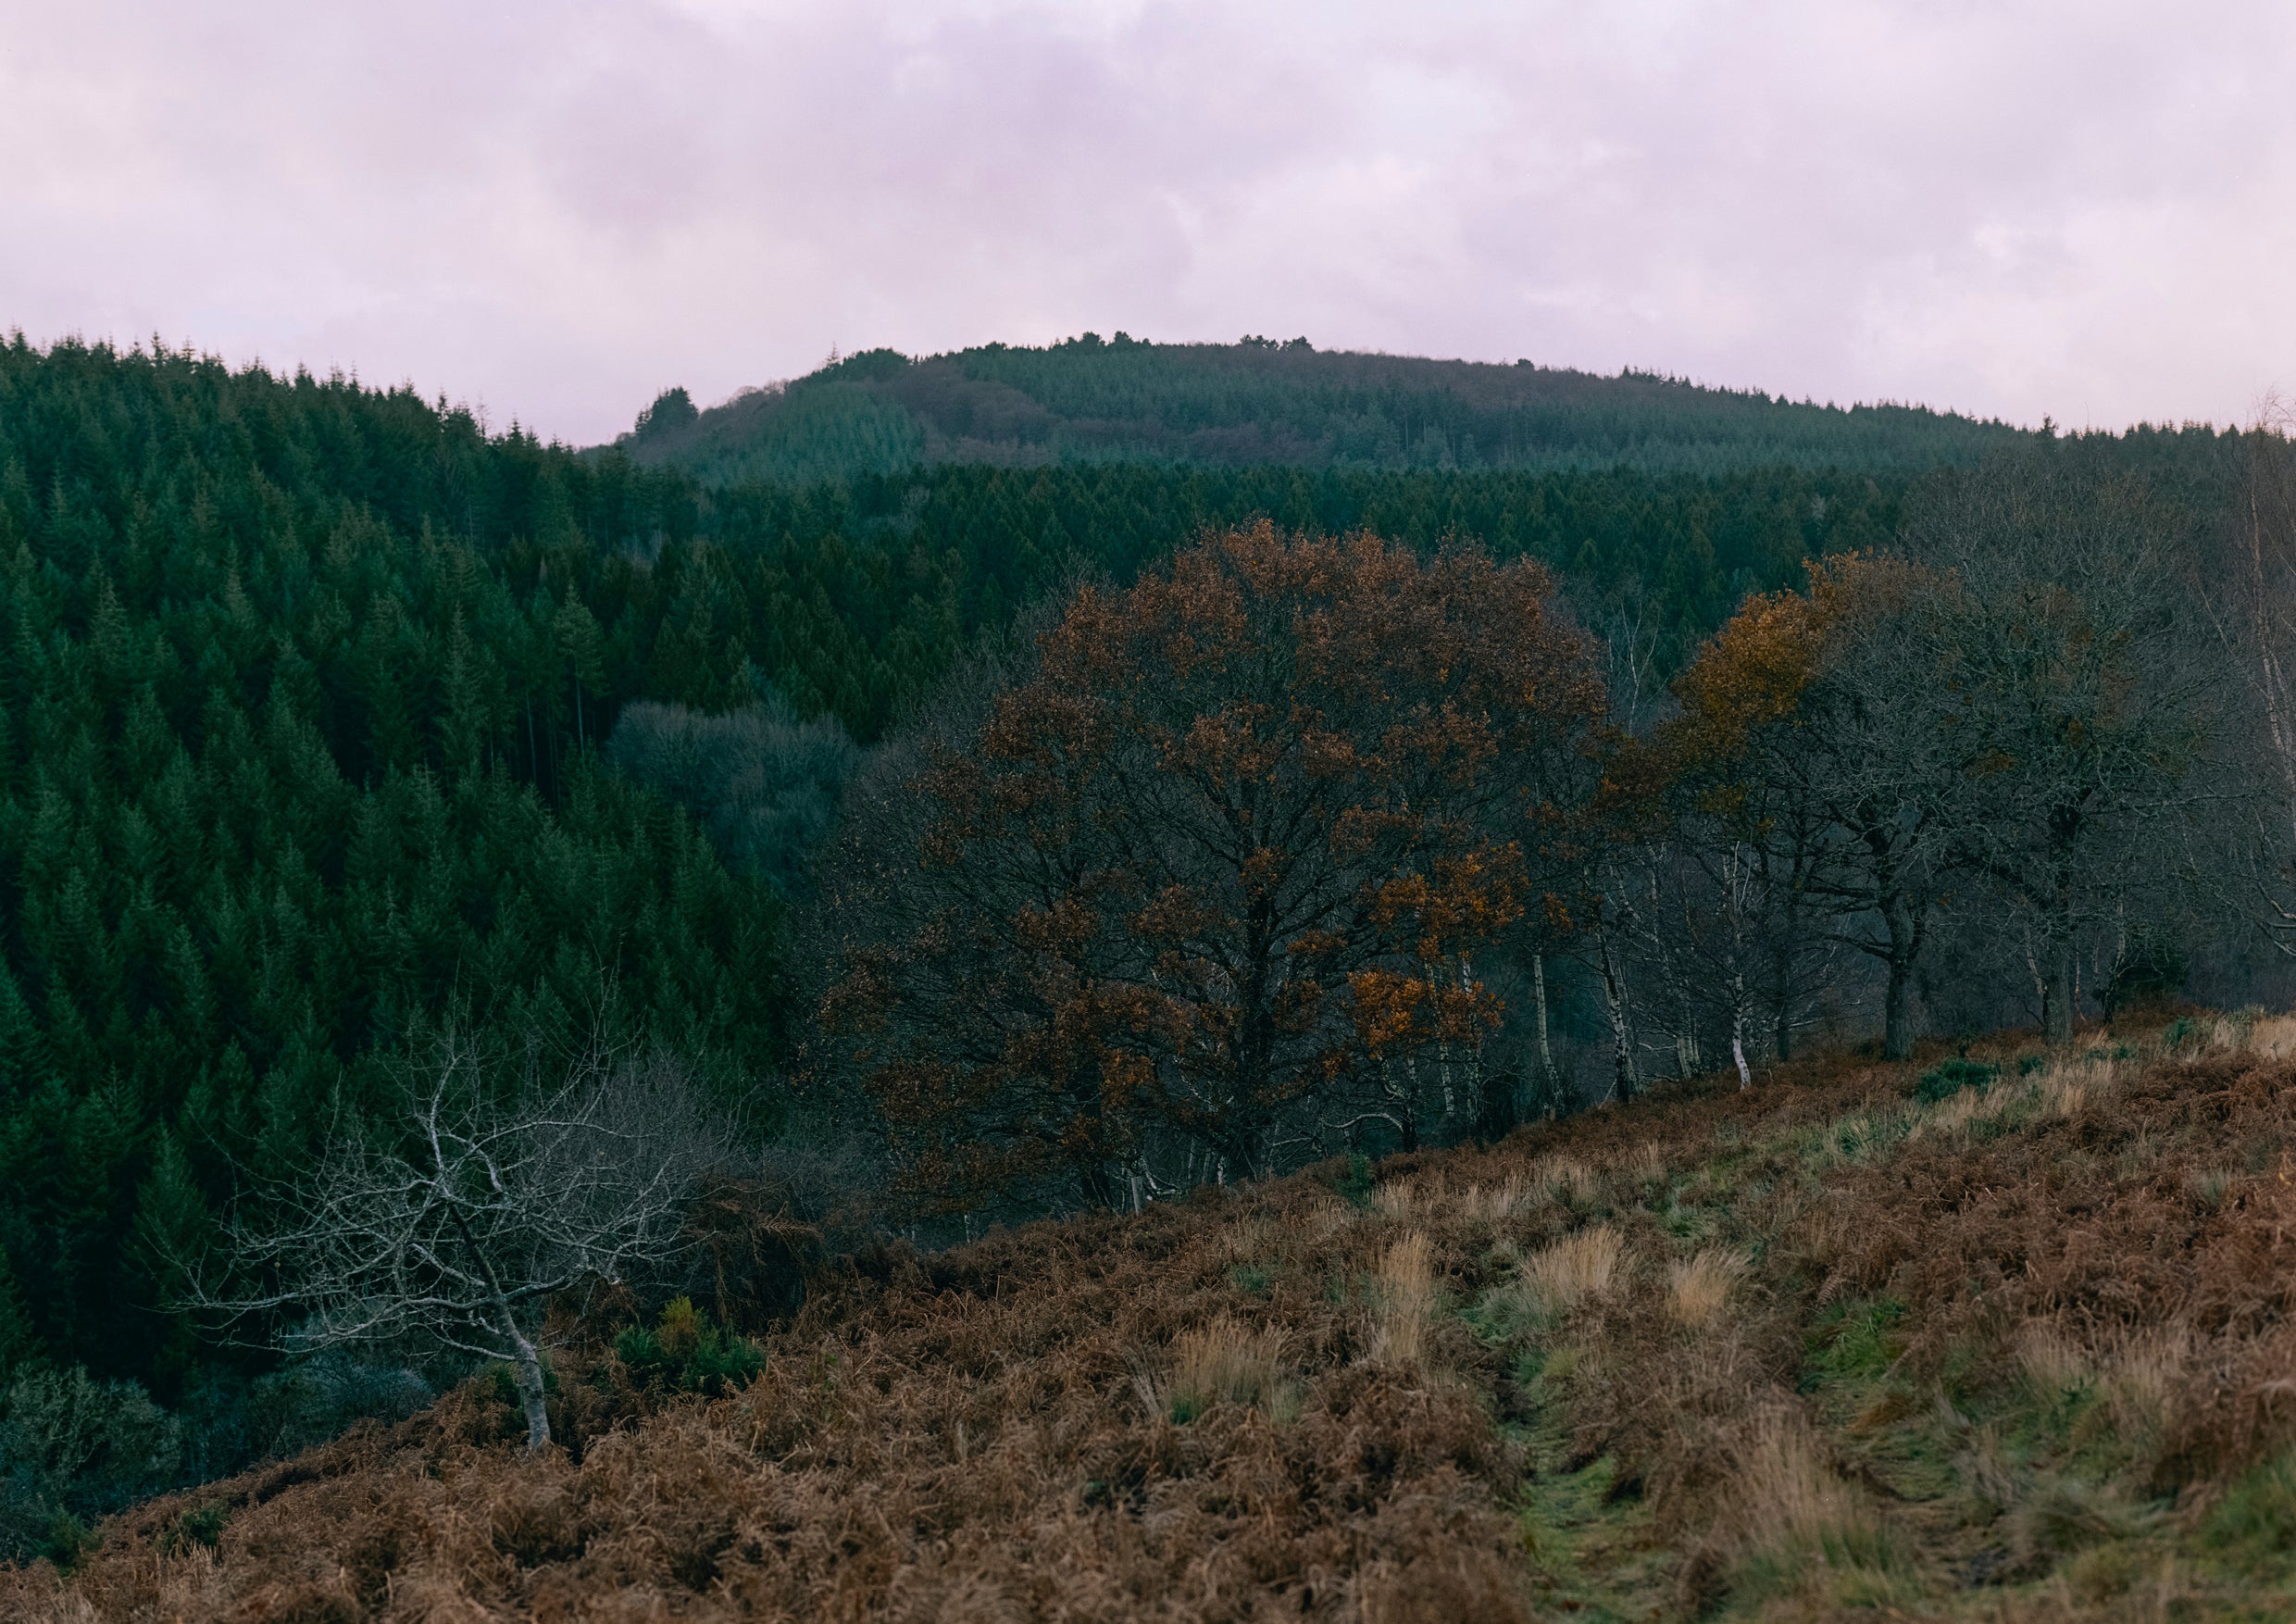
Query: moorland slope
[(1989, 1335)]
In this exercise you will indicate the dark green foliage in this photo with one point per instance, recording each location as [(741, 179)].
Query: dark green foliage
[(688, 1351), (72, 1449), (1950, 1076), (922, 562), (764, 784), (1349, 1177), (672, 410), (201, 1525), (307, 692), (297, 686), (1262, 403)]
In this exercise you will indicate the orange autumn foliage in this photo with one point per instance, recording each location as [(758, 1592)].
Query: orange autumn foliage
[(1231, 840)]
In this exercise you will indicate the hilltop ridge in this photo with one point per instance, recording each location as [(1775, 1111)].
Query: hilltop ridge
[(1260, 402)]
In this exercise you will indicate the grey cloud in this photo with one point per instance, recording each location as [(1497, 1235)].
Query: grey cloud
[(556, 209)]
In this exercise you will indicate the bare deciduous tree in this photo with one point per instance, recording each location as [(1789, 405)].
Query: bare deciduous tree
[(2248, 584), (1813, 733), (456, 1223), (2077, 697)]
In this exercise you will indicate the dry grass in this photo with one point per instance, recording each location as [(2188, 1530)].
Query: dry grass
[(2053, 1362), (1789, 1499), (2143, 1380), (1566, 1179), (1495, 1204), (2064, 1093), (1581, 1266), (1699, 1287), (1401, 1199), (1954, 1117), (1224, 1362), (1221, 1410), (2252, 1031), (960, 1436), (1403, 1302), (2272, 1037)]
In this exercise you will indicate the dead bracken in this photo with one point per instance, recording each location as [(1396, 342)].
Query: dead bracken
[(1991, 1360)]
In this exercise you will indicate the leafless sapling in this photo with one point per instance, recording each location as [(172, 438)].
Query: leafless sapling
[(454, 1222)]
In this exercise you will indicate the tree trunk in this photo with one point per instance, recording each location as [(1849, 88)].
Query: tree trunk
[(1897, 1026), (1622, 1041), (525, 1370), (1548, 1082), (1897, 1021), (1737, 1036), (1782, 1010), (2058, 1012)]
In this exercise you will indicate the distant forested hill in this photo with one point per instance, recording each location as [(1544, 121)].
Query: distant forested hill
[(303, 691), (309, 696), (1257, 401)]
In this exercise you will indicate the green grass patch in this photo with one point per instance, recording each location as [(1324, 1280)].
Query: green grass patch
[(2254, 1527), (1854, 1342), (1948, 1077)]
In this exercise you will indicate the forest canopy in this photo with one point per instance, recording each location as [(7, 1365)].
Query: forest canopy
[(332, 720), (1260, 402)]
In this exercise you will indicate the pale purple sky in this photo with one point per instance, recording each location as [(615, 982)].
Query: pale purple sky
[(2080, 208)]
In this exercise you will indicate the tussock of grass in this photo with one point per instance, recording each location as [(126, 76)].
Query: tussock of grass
[(1402, 1200), (1566, 1179), (1404, 1299), (1699, 1287), (1804, 1531), (2053, 1362), (1581, 1266), (2142, 1381), (1224, 1362), (1495, 1204)]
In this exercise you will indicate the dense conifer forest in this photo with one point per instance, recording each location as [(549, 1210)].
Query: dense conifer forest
[(332, 720), (1262, 402)]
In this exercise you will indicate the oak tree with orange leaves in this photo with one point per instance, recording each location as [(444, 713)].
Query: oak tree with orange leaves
[(1203, 890)]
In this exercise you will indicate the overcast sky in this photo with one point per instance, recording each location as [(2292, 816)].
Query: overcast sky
[(2084, 208)]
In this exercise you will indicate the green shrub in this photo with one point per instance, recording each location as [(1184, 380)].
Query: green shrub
[(501, 1380), (637, 1349), (314, 1399), (687, 1351), (72, 1448), (1351, 1181), (1950, 1076), (201, 1525)]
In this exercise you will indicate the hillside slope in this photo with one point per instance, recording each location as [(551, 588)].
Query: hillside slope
[(1258, 403), (2019, 1350)]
